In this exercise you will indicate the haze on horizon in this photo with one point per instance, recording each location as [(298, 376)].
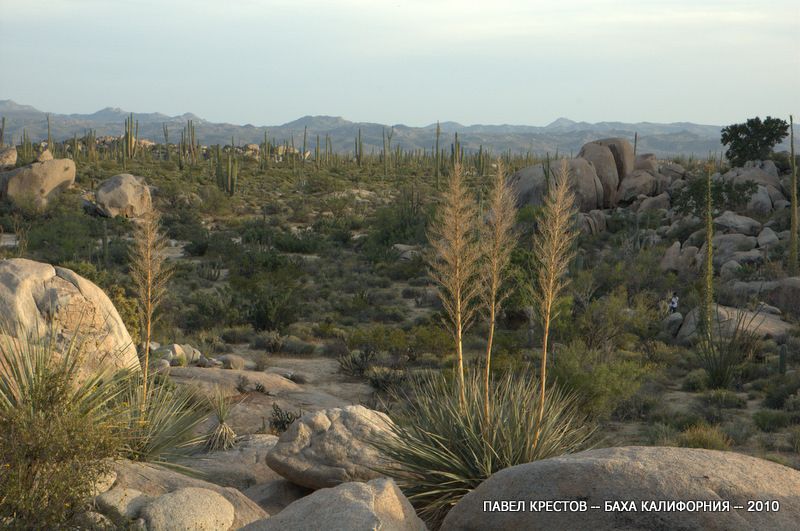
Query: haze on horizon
[(410, 61)]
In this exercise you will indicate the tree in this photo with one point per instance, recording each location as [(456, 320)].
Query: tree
[(454, 264), (753, 140), (150, 274), (725, 194), (498, 240), (553, 249)]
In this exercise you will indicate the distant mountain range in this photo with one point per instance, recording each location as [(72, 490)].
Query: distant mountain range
[(564, 135)]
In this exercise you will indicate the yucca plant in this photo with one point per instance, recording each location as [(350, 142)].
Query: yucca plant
[(437, 452), (58, 427), (162, 423), (222, 437)]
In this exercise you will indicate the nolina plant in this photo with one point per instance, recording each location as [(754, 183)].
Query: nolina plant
[(150, 274), (498, 240), (222, 437), (553, 248), (454, 265)]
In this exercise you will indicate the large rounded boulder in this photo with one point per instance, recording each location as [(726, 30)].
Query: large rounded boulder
[(606, 168), (124, 195), (37, 183), (39, 299), (8, 157), (611, 482), (530, 184), (623, 154), (331, 446), (378, 504)]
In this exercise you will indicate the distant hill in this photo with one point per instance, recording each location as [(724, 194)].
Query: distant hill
[(564, 135)]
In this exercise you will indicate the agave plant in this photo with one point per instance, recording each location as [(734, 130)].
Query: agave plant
[(438, 452), (222, 437)]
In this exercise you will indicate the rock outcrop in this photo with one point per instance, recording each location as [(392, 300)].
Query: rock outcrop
[(378, 504), (328, 447), (37, 183), (124, 195), (636, 474), (530, 184), (37, 298)]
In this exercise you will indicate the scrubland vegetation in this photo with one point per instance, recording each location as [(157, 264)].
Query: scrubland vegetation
[(491, 335)]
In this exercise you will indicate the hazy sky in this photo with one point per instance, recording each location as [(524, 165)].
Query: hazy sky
[(410, 61)]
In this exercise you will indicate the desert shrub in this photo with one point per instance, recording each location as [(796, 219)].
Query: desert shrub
[(296, 346), (237, 334), (384, 379), (381, 338), (440, 452), (779, 389), (269, 341), (722, 398), (660, 434), (280, 420), (771, 420), (601, 381), (242, 384), (739, 431), (696, 380), (335, 349), (794, 440), (792, 403), (358, 362), (55, 434), (704, 436), (638, 406)]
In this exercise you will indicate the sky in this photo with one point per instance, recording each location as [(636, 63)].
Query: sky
[(267, 62)]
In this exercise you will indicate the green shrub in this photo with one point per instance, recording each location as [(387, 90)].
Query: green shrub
[(794, 439), (739, 430), (722, 398), (704, 436), (384, 379), (601, 381), (56, 434), (296, 346), (237, 335), (660, 434), (779, 389), (270, 341), (771, 420), (358, 362), (697, 380), (440, 452)]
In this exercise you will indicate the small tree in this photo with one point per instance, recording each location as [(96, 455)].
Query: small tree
[(553, 249), (498, 242), (150, 274), (753, 140), (454, 264)]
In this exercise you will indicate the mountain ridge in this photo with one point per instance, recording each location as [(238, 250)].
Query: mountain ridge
[(562, 134)]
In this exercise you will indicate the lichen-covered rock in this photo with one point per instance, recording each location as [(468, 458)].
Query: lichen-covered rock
[(638, 182), (732, 222), (606, 168), (189, 509), (37, 298), (8, 157), (121, 504), (124, 195), (376, 505), (328, 447), (636, 474)]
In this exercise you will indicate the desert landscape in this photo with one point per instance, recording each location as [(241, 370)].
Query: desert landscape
[(329, 324)]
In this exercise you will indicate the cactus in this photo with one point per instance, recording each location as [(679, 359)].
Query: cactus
[(26, 149), (782, 360), (49, 137), (166, 140), (209, 271), (305, 140), (2, 131)]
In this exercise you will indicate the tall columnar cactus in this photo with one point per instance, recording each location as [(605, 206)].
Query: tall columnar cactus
[(165, 128), (76, 148), (305, 142), (91, 145), (26, 149), (708, 291), (437, 161), (50, 137), (130, 138), (2, 131)]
